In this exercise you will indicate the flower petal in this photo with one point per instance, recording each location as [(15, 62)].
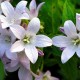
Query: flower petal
[(24, 16), (78, 21), (61, 41), (24, 60), (18, 31), (78, 51), (12, 56), (21, 7), (34, 25), (24, 74), (17, 46), (7, 8), (70, 29), (11, 69), (31, 53), (39, 6), (32, 5), (43, 41), (4, 21), (2, 50), (68, 53)]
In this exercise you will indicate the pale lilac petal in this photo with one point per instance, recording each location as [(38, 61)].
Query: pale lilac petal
[(24, 60), (54, 78), (24, 74), (70, 29), (3, 47), (39, 7), (12, 56), (78, 21), (4, 22), (24, 16), (7, 8), (21, 6), (60, 41), (43, 41), (32, 6), (78, 51), (68, 53), (34, 25), (12, 69), (31, 53), (14, 63), (18, 31), (2, 50), (17, 46)]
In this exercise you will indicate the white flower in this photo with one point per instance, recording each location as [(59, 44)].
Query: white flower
[(46, 76), (34, 9), (22, 63), (0, 5), (13, 15), (6, 40), (70, 42), (28, 39)]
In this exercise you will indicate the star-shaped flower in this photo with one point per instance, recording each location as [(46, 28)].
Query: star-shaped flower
[(28, 40), (13, 15), (70, 42)]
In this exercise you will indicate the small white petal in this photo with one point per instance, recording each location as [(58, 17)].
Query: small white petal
[(4, 22), (32, 5), (14, 63), (2, 50), (7, 8), (78, 21), (24, 60), (39, 6), (12, 69), (24, 74), (21, 6), (34, 25), (31, 53), (70, 29), (67, 53), (43, 41), (18, 31), (61, 41), (17, 46), (12, 56), (78, 51), (24, 16)]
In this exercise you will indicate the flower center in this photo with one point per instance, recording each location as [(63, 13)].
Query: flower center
[(45, 78), (8, 39), (76, 41), (26, 39)]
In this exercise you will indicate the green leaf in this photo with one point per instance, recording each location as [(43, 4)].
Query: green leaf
[(37, 65), (68, 11), (2, 73), (69, 70)]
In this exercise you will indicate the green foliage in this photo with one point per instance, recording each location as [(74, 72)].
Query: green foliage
[(68, 11), (2, 73)]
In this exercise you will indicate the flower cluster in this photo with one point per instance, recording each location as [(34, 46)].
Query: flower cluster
[(19, 43)]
